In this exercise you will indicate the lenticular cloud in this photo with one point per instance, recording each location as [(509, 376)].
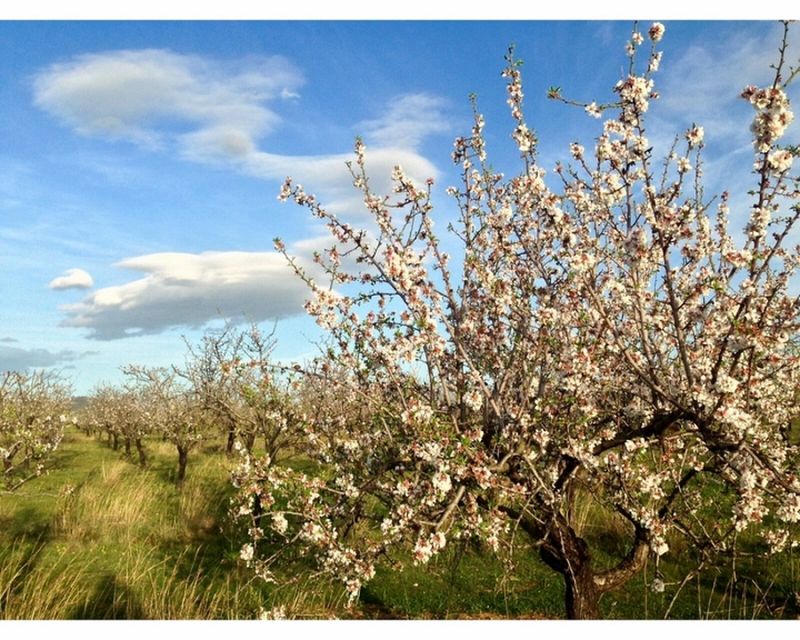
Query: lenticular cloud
[(189, 290), (72, 279), (140, 94)]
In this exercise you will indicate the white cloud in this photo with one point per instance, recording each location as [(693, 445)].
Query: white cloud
[(213, 113), (151, 96), (218, 114), (407, 121), (189, 290), (72, 279), (327, 176)]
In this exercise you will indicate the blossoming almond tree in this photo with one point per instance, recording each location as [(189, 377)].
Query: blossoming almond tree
[(207, 371), (233, 378), (603, 334), (121, 414), (173, 409), (32, 419), (102, 414)]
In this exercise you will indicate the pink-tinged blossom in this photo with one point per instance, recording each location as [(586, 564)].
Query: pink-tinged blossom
[(656, 32), (780, 160), (695, 136), (726, 384), (773, 115), (279, 523), (247, 553), (442, 483), (655, 62), (593, 110)]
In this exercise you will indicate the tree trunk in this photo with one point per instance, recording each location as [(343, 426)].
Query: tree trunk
[(115, 441), (582, 598), (183, 457), (127, 447), (566, 552), (258, 510), (142, 454), (231, 440)]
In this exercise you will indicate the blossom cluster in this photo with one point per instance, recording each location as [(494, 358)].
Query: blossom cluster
[(773, 114)]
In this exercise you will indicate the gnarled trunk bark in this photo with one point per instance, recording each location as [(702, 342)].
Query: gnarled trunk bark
[(231, 440), (183, 458), (142, 454), (582, 597), (564, 551), (249, 441), (569, 554)]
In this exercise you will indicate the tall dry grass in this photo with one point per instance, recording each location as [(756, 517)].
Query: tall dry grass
[(34, 590)]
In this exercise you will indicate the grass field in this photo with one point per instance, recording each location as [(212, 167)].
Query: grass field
[(100, 538)]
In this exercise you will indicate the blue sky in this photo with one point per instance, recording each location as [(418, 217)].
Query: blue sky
[(141, 161)]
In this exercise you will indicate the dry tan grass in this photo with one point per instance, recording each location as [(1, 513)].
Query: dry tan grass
[(34, 590), (116, 507)]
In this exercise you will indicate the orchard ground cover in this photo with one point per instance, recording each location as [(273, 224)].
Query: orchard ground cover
[(98, 537)]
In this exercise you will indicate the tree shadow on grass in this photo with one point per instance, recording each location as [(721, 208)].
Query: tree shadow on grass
[(373, 606), (209, 543), (111, 600), (24, 567), (28, 524)]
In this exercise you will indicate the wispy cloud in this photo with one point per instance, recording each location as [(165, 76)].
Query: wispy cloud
[(189, 290), (704, 83), (19, 359), (152, 96), (407, 121), (287, 94), (327, 175), (216, 113), (72, 279)]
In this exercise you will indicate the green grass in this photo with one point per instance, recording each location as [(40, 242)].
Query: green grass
[(462, 582), (100, 538)]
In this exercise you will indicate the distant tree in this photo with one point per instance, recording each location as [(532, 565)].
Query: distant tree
[(122, 414), (172, 409), (601, 336), (239, 387), (206, 373), (33, 413), (101, 414)]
